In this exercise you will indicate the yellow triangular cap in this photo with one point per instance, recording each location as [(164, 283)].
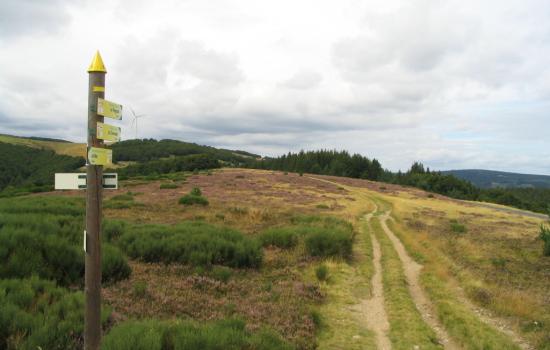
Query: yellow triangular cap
[(97, 64)]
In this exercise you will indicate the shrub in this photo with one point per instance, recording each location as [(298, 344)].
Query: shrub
[(113, 229), (228, 334), (321, 272), (221, 273), (168, 185), (140, 288), (545, 236), (194, 243), (282, 237), (456, 227), (324, 242), (123, 197), (189, 199), (322, 206), (114, 266), (35, 314), (196, 192)]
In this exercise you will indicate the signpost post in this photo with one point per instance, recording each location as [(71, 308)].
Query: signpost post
[(92, 243), (96, 181)]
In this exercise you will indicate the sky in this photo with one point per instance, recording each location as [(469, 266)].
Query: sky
[(454, 84)]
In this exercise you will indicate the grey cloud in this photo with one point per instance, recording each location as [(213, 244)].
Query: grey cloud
[(21, 17), (207, 65)]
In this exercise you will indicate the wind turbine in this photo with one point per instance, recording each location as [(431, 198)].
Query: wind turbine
[(135, 120)]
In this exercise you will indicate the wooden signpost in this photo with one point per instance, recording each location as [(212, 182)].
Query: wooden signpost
[(97, 157)]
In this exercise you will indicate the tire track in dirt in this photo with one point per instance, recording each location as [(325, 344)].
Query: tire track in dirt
[(377, 319), (412, 270)]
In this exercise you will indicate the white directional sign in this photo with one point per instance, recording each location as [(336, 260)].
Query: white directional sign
[(77, 181)]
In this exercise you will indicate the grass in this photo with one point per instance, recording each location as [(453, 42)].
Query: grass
[(497, 265), (228, 334), (168, 185), (321, 272), (461, 323)]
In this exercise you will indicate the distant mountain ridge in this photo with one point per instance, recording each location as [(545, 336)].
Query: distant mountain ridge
[(501, 179)]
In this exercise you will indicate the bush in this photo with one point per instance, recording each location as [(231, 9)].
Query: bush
[(114, 266), (322, 206), (545, 236), (194, 243), (191, 200), (36, 314), (168, 185), (323, 242), (140, 289), (321, 272), (456, 227), (194, 197), (221, 273), (228, 334), (196, 192), (113, 229), (282, 237)]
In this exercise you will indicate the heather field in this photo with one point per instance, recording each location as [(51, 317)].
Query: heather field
[(254, 259)]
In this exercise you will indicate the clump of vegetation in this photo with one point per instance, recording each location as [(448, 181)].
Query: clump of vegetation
[(324, 242), (168, 185), (221, 273), (281, 237), (545, 236), (35, 238), (194, 243), (181, 335), (457, 227), (194, 197), (322, 206), (140, 289), (321, 272), (35, 314), (322, 236)]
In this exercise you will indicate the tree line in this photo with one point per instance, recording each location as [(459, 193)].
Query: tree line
[(145, 150)]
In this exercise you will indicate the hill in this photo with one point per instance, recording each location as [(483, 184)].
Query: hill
[(500, 179), (58, 146)]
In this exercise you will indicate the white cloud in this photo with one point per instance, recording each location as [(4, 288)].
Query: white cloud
[(453, 83)]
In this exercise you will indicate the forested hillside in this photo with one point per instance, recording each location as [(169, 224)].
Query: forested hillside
[(150, 149), (500, 179), (32, 169)]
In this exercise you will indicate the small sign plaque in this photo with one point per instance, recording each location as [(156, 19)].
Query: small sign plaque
[(109, 109), (108, 132), (100, 156)]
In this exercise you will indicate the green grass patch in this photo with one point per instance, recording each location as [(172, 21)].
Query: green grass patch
[(457, 227), (168, 186), (230, 334)]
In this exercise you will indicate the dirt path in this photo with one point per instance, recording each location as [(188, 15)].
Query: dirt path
[(412, 273), (377, 319)]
